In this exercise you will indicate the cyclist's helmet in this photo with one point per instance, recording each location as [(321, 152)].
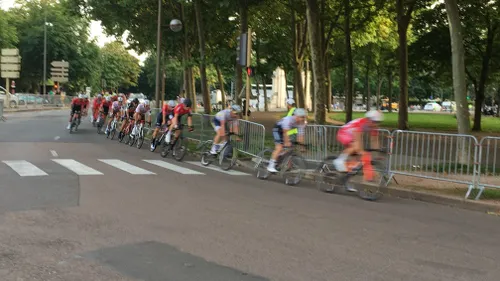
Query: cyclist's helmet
[(375, 116), (187, 102), (235, 108), (136, 100), (300, 112), (99, 96), (146, 102), (108, 98), (120, 99), (171, 103), (81, 96)]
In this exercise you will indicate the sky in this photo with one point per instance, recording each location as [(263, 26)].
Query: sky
[(96, 31)]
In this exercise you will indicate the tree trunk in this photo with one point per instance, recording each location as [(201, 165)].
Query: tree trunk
[(485, 69), (257, 85), (243, 7), (203, 71), (221, 85), (193, 87), (265, 93), (348, 86), (389, 88), (185, 57), (403, 18), (458, 67), (311, 85), (367, 80), (306, 84), (313, 18)]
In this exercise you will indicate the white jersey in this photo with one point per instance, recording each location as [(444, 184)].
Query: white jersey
[(116, 106), (224, 115), (141, 108), (288, 123)]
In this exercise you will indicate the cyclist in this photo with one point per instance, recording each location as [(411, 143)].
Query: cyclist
[(116, 107), (350, 136), (180, 110), (114, 97), (163, 118), (140, 114), (129, 114), (221, 123), (76, 106), (104, 110), (290, 104), (85, 109), (281, 137), (96, 106)]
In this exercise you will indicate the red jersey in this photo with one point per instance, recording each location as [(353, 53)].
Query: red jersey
[(114, 98), (97, 103), (166, 108), (77, 102), (86, 103), (359, 125), (181, 110), (106, 104)]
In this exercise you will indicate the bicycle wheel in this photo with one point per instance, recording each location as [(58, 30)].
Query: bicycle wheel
[(121, 136), (261, 162), (368, 190), (207, 158), (228, 157), (293, 169), (179, 149), (140, 141), (326, 177), (165, 151), (113, 130)]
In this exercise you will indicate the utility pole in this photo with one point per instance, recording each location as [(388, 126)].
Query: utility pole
[(158, 48), (44, 91)]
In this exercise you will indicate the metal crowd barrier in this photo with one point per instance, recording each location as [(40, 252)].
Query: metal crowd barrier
[(316, 136), (488, 164), (443, 157)]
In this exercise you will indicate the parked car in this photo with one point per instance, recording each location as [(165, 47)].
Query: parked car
[(26, 98), (450, 106), (432, 106), (13, 100)]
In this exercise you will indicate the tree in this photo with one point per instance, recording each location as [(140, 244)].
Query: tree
[(458, 62), (320, 81), (8, 34), (120, 69), (201, 40)]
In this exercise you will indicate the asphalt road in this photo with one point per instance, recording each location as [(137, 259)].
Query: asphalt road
[(134, 220)]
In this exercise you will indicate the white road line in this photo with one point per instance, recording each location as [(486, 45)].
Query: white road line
[(77, 167), (25, 168), (175, 168), (54, 153), (124, 166), (230, 172)]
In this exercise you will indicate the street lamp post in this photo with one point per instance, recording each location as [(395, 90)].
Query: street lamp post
[(45, 54), (176, 26)]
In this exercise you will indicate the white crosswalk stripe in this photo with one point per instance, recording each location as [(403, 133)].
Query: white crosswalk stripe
[(230, 172), (25, 168), (77, 167), (172, 167), (124, 166)]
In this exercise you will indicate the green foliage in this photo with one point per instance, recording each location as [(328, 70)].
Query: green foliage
[(119, 68), (8, 32)]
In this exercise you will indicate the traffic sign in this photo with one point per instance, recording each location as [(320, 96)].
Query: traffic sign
[(10, 52), (60, 64), (59, 71), (10, 60), (10, 74), (11, 67)]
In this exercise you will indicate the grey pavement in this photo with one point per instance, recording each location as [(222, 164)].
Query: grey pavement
[(192, 223)]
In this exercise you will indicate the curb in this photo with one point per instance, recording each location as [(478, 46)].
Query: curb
[(455, 202), (34, 109)]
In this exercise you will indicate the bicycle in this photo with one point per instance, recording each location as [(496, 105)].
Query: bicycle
[(100, 122), (75, 122), (163, 133), (111, 130), (330, 178), (289, 162), (176, 146), (228, 154), (139, 137), (126, 131)]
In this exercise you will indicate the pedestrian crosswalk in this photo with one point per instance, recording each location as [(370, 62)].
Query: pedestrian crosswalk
[(25, 168)]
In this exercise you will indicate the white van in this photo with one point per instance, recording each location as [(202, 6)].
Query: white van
[(13, 100)]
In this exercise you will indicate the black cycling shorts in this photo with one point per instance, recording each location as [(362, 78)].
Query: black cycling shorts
[(75, 108), (278, 135)]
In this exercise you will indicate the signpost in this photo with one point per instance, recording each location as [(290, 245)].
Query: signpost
[(59, 71), (10, 67)]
